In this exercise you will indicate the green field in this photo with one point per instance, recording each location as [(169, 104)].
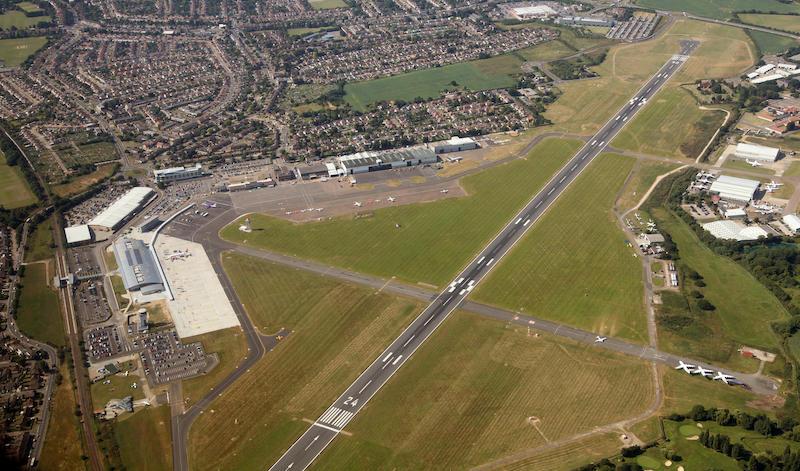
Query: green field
[(479, 382), (14, 190), (719, 9), (83, 182), (681, 392), (18, 20), (88, 154), (39, 242), (327, 4), (39, 313), (333, 339), (575, 266), (644, 174), (230, 347), (13, 52), (62, 448), (28, 7), (740, 164), (744, 306), (434, 239), (671, 113), (118, 387), (145, 440), (495, 72), (772, 43), (782, 22)]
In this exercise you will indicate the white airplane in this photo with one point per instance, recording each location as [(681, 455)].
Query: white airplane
[(134, 386), (444, 191), (357, 204), (702, 372), (723, 377), (598, 339), (775, 184), (391, 199), (685, 367), (753, 163), (179, 255)]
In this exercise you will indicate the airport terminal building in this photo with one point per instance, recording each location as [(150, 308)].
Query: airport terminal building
[(137, 266), (371, 161), (175, 174)]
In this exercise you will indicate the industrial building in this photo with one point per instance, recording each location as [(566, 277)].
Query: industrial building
[(78, 234), (792, 221), (137, 266), (265, 183), (372, 161), (111, 218), (533, 12), (175, 174), (756, 152), (740, 190), (311, 172), (734, 230), (455, 144), (585, 21)]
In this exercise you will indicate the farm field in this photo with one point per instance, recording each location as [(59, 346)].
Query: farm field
[(62, 448), (473, 382), (17, 19), (39, 314), (744, 307), (332, 341), (145, 440), (586, 105), (435, 239), (575, 266), (643, 175), (83, 182), (14, 190), (495, 72), (13, 52), (327, 4), (769, 43), (782, 22), (719, 9), (231, 348), (671, 113)]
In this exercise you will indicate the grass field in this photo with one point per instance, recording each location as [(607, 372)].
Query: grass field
[(231, 348), (327, 4), (13, 52), (83, 182), (119, 387), (17, 19), (119, 291), (743, 305), (772, 43), (39, 314), (643, 175), (671, 113), (62, 446), (479, 382), (333, 339), (39, 242), (739, 164), (145, 440), (681, 392), (782, 22), (495, 72), (88, 154), (574, 265), (720, 9), (434, 240), (14, 190), (28, 7)]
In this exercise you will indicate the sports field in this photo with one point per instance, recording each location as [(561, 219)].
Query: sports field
[(17, 19), (720, 9), (744, 306), (574, 265), (782, 22), (230, 347), (772, 43), (495, 72), (14, 190), (434, 239), (62, 445), (672, 115), (13, 52), (39, 314), (145, 440), (333, 339), (494, 387)]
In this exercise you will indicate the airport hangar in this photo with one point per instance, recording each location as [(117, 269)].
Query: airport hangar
[(755, 152), (738, 190)]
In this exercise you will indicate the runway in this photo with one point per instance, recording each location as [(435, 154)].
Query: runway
[(325, 429)]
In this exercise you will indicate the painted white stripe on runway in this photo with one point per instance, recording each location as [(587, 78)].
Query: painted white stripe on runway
[(387, 357), (428, 321), (573, 167), (343, 419), (518, 221), (538, 204), (408, 341), (365, 386), (551, 191), (489, 262), (526, 223), (385, 365), (326, 427), (481, 260), (330, 415), (396, 360)]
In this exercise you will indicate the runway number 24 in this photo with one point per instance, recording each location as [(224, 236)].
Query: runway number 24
[(350, 401)]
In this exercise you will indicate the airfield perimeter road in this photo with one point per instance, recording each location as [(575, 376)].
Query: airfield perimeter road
[(322, 432)]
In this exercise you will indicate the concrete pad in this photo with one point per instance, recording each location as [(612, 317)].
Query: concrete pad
[(200, 303)]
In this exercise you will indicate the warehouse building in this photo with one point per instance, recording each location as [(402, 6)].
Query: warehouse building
[(175, 174), (310, 172), (585, 21), (111, 218), (740, 190), (78, 234), (372, 161), (734, 230), (755, 152), (533, 12), (455, 144), (792, 221), (137, 266)]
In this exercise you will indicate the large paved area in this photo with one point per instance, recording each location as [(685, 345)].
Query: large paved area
[(200, 303)]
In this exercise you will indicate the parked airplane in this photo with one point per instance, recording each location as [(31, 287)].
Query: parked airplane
[(685, 367), (599, 339), (753, 163), (391, 199), (724, 378), (702, 372), (444, 191), (179, 255), (357, 204), (775, 184)]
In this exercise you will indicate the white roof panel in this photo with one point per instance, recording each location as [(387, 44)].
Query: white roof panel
[(739, 189), (122, 208), (77, 234)]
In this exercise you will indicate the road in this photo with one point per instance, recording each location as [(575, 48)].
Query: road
[(325, 429)]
